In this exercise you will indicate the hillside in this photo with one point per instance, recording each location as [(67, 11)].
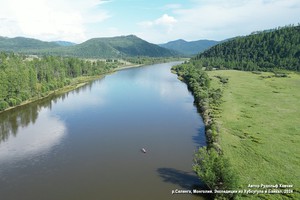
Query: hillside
[(64, 43), (189, 48), (111, 47), (119, 47), (264, 50), (23, 44)]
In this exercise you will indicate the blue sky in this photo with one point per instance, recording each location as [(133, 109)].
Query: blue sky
[(156, 21)]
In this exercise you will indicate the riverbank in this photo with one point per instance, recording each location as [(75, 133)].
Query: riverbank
[(251, 120), (75, 83), (128, 67), (210, 165), (259, 125)]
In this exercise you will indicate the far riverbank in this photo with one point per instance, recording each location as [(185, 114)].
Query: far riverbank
[(75, 83)]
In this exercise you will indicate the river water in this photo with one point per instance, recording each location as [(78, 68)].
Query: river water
[(86, 144)]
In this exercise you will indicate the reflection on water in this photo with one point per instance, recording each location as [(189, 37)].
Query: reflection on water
[(186, 180), (85, 144), (12, 120), (31, 121), (35, 138), (82, 102)]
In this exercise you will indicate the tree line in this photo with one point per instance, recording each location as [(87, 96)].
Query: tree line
[(22, 77), (209, 163), (12, 120), (261, 51)]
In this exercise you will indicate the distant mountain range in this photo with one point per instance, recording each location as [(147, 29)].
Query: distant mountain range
[(110, 47), (189, 48), (22, 44), (64, 43), (120, 46)]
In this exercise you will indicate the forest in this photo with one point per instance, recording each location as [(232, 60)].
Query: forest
[(268, 50), (23, 77)]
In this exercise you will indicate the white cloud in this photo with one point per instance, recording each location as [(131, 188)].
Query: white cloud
[(164, 20), (79, 20), (49, 19), (35, 139), (165, 23), (218, 19)]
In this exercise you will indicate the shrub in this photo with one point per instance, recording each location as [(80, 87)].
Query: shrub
[(45, 88), (18, 101), (12, 102), (51, 86), (222, 79), (256, 72), (25, 96), (281, 75), (3, 105), (214, 169)]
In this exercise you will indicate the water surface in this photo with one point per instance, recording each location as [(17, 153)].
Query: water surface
[(86, 144)]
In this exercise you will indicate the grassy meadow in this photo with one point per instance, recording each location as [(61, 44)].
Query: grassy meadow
[(259, 122)]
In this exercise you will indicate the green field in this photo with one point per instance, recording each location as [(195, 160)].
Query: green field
[(260, 129)]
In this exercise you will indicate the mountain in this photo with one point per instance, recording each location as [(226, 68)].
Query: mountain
[(189, 48), (22, 43), (262, 50), (120, 46), (109, 47), (64, 43)]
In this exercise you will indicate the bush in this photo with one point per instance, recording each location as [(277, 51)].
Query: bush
[(45, 88), (51, 86), (281, 75), (209, 68), (256, 72), (12, 102), (25, 96), (3, 105), (18, 101), (67, 82), (215, 171)]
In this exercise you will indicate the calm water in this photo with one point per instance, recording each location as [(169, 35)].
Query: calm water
[(86, 144)]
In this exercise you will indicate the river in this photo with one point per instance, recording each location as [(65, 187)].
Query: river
[(86, 144)]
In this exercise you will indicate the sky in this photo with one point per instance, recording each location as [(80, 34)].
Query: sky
[(157, 21)]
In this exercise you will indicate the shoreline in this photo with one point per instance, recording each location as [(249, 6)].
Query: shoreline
[(62, 90), (74, 86), (128, 67), (70, 87)]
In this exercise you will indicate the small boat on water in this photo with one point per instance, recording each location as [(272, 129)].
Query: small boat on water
[(143, 150)]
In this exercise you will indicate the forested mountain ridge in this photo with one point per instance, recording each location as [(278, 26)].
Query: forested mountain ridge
[(110, 47), (23, 44), (64, 43), (263, 50), (189, 48), (121, 46)]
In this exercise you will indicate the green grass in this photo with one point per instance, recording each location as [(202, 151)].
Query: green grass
[(260, 128)]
